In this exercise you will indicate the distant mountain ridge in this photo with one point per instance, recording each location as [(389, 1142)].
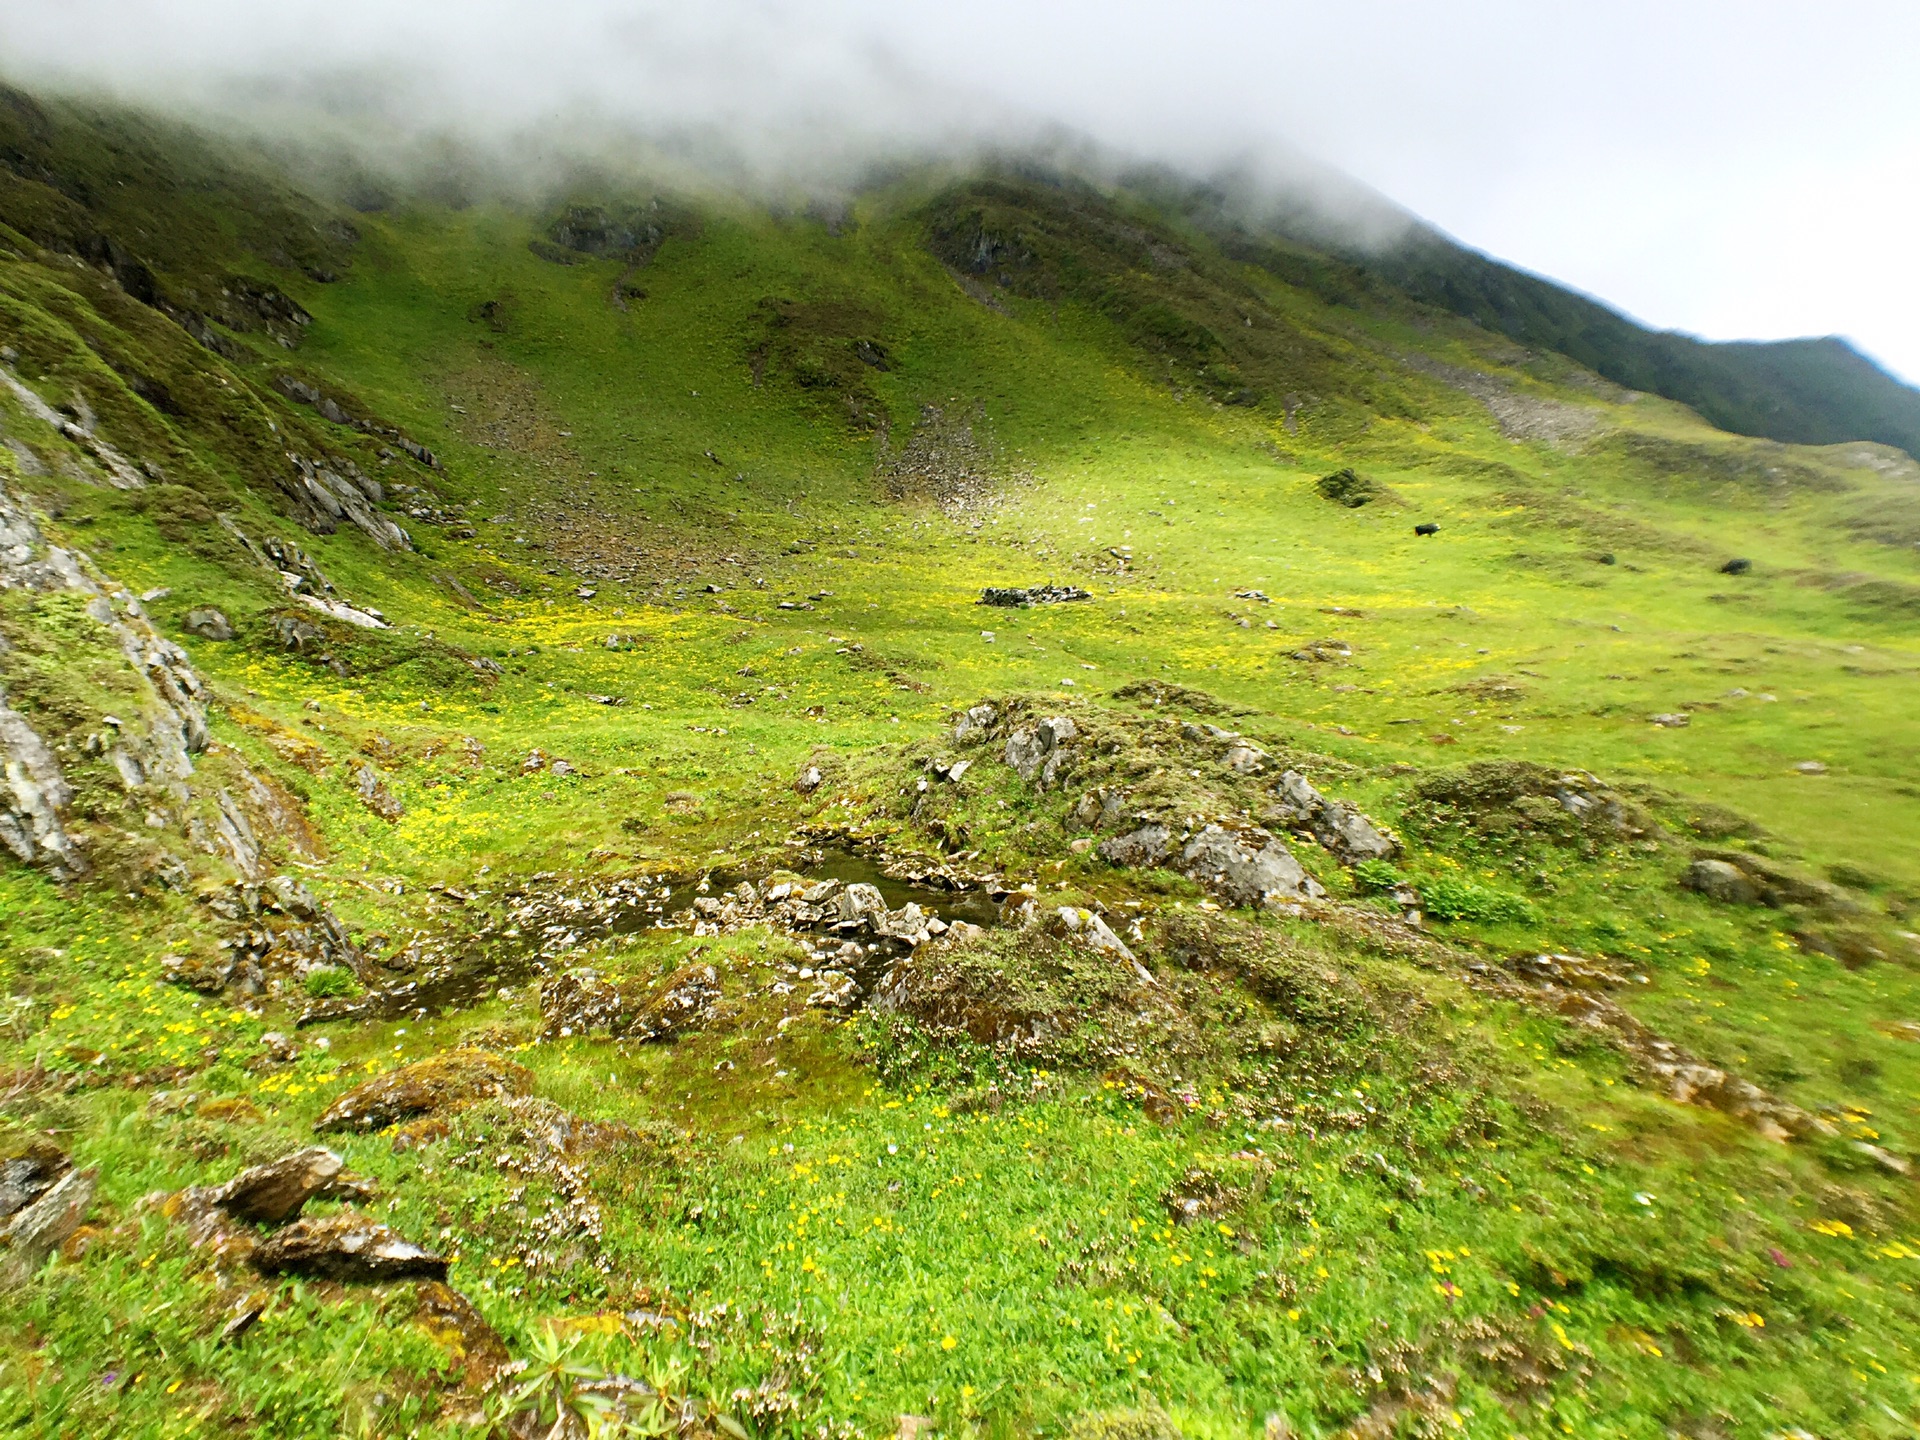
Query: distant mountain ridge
[(1817, 391)]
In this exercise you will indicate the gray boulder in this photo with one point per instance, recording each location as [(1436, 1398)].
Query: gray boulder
[(1240, 875), (975, 723), (209, 624), (346, 1246), (1718, 880)]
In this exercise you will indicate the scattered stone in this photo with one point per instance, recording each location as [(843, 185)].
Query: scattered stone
[(1349, 835), (42, 1227), (1671, 720), (209, 624), (810, 780), (1222, 862), (442, 1082), (348, 1247), (1032, 595), (582, 1002), (1811, 767), (1769, 883)]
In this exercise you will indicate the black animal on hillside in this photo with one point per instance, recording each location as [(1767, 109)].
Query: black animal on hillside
[(1736, 567), (1428, 529)]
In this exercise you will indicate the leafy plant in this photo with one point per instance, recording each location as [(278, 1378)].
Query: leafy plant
[(330, 980), (1451, 898), (1370, 877)]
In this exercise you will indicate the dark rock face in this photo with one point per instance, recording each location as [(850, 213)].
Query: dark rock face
[(443, 1082), (346, 1246), (1343, 830)]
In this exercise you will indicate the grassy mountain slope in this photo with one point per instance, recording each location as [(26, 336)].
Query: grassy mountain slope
[(747, 475)]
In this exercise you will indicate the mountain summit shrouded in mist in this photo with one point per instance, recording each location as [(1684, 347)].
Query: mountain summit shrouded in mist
[(1729, 178)]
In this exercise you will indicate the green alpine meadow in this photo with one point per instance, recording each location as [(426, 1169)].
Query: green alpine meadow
[(1008, 805)]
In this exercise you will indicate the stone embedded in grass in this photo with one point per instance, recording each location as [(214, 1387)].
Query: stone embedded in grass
[(209, 624), (374, 794), (29, 1173), (346, 1246), (1022, 597), (442, 1082), (1717, 880)]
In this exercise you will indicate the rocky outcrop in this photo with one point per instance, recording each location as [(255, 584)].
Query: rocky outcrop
[(1741, 878), (275, 1192), (1023, 596), (443, 1082), (1148, 845), (167, 693), (1349, 835), (583, 1002), (1241, 874)]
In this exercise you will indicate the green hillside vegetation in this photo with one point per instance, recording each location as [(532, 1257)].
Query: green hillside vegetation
[(579, 565)]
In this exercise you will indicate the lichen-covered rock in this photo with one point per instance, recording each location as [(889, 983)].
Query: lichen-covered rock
[(459, 1329), (346, 1246), (1241, 875), (580, 1002), (42, 1227), (442, 1082), (683, 1004), (1149, 845)]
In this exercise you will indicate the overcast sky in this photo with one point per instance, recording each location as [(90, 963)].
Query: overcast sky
[(1733, 168)]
